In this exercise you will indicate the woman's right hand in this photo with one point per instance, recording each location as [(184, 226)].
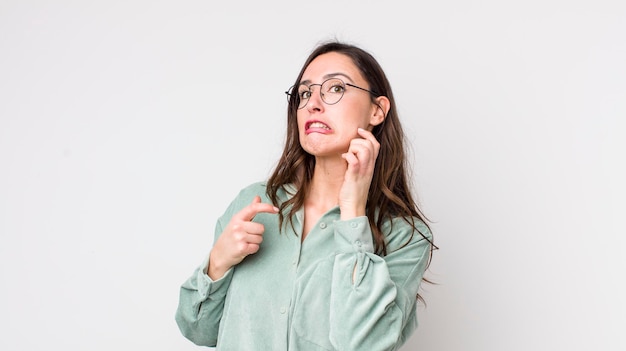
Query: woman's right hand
[(240, 238)]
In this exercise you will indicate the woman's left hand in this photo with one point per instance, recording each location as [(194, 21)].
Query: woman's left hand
[(361, 158)]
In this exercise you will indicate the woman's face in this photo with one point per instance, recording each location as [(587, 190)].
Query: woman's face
[(326, 130)]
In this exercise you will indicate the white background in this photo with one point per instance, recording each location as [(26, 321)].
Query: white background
[(126, 127)]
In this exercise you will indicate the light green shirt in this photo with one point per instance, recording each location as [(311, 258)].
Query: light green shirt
[(300, 295)]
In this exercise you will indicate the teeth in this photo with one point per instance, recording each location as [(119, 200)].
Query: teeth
[(318, 125)]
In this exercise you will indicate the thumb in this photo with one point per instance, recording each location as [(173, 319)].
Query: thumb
[(256, 200)]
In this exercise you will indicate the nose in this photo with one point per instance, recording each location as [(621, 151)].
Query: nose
[(315, 102)]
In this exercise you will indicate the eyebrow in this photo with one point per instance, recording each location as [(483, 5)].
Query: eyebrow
[(329, 75)]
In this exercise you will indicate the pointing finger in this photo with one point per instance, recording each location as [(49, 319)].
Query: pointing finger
[(256, 207)]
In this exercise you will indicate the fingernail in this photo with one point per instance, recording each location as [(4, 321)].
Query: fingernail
[(276, 209)]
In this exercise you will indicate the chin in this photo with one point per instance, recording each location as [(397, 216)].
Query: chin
[(323, 150)]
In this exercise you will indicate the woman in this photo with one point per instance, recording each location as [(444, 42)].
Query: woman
[(329, 253)]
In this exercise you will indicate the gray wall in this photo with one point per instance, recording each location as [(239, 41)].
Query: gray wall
[(126, 127)]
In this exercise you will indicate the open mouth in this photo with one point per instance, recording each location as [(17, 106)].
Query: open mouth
[(316, 125)]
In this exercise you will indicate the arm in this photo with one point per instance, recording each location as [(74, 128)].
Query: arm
[(202, 296), (372, 304), (201, 304)]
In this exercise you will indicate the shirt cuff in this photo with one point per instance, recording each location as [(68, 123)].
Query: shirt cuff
[(208, 287), (355, 233)]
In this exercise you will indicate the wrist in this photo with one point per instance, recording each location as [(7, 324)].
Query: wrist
[(351, 213), (215, 269)]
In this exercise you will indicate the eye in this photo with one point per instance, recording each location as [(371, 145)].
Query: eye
[(337, 88), (334, 86), (305, 94)]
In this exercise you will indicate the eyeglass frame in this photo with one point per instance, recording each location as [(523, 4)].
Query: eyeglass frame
[(289, 95)]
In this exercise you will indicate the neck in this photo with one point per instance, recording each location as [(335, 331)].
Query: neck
[(326, 183)]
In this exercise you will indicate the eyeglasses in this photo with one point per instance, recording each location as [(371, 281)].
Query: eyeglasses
[(331, 91)]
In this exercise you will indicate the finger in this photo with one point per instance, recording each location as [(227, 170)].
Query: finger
[(254, 239), (351, 158), (369, 136), (361, 147), (256, 207), (252, 248), (252, 228), (366, 134), (362, 150)]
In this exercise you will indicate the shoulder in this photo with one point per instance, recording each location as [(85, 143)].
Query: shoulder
[(401, 231), (254, 189), (247, 193), (245, 197)]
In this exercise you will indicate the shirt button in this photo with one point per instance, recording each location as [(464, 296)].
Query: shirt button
[(294, 262), (353, 224), (323, 225), (283, 310), (358, 243)]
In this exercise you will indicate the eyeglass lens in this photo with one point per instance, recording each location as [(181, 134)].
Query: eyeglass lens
[(331, 91)]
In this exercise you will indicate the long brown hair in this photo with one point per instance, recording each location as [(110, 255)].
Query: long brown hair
[(389, 194)]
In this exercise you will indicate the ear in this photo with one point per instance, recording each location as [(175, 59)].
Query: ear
[(380, 110)]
